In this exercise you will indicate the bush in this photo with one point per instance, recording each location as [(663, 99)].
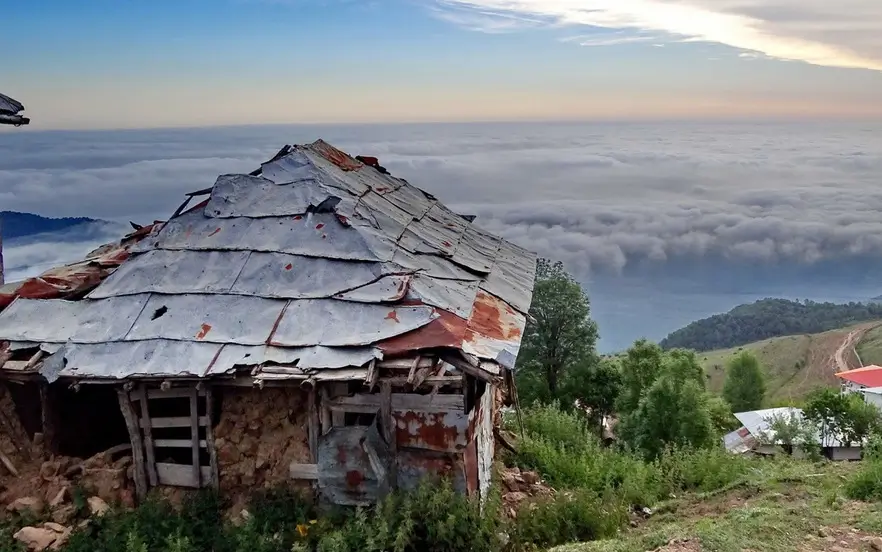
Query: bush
[(576, 516), (867, 483), (684, 469)]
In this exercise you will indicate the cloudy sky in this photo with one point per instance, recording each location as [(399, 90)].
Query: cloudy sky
[(160, 63), (664, 223)]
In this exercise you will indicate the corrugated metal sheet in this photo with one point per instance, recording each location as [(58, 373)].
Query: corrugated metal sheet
[(342, 323), (57, 321), (221, 319), (477, 250), (294, 167), (345, 474), (494, 330), (387, 289), (9, 105), (438, 431), (512, 276), (239, 195), (456, 296), (414, 466), (173, 272)]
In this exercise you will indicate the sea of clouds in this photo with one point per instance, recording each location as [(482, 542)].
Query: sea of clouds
[(663, 222)]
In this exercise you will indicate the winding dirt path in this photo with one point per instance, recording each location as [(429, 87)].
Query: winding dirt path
[(839, 361)]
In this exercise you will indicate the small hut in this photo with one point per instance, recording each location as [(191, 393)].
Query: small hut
[(318, 320)]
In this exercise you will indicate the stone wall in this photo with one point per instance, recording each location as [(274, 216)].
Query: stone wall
[(259, 434)]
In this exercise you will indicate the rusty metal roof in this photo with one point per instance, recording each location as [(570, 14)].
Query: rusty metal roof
[(315, 252)]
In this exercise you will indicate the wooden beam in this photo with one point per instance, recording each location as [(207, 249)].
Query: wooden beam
[(387, 422), (179, 421), (180, 475), (413, 369), (180, 443), (313, 424), (473, 371), (194, 435), (214, 476), (149, 456), (173, 393), (405, 363), (308, 472), (34, 360), (326, 423), (449, 381), (369, 403), (128, 412), (372, 375), (48, 418)]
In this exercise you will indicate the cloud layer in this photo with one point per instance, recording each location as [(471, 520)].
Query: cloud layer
[(847, 33)]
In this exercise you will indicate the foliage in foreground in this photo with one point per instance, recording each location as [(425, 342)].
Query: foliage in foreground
[(745, 385)]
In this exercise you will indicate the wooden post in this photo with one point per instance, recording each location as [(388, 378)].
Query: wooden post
[(313, 424), (48, 415), (209, 436), (128, 412), (148, 436), (388, 424), (326, 417), (194, 435)]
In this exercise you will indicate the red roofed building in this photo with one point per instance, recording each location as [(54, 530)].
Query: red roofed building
[(861, 378)]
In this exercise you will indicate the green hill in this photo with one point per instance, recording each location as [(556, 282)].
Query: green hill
[(769, 318)]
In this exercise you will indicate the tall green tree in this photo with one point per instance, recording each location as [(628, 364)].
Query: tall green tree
[(594, 387), (560, 335), (641, 366), (745, 386)]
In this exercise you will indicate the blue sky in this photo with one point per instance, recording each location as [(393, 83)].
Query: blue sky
[(134, 63)]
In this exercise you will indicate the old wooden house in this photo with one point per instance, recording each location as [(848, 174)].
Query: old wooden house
[(317, 320)]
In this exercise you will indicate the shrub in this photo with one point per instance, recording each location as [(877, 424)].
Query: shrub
[(684, 469), (866, 484), (572, 517)]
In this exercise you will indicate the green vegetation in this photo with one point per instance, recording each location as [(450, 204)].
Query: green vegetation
[(870, 347), (766, 319), (745, 385)]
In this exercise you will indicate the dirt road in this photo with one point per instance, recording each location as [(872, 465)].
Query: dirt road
[(840, 357)]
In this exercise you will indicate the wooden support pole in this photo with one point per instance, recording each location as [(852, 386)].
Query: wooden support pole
[(209, 436), (194, 436), (313, 424), (413, 369), (149, 454), (128, 412), (326, 417), (388, 424), (48, 417)]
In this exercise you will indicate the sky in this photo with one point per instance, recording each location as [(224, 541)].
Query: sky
[(663, 223), (185, 63)]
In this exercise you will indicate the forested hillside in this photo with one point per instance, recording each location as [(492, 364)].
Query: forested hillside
[(768, 318), (19, 225)]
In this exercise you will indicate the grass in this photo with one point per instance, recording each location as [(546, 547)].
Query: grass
[(795, 365), (777, 506)]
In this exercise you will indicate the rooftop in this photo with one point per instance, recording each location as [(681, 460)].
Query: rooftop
[(868, 376), (316, 262)]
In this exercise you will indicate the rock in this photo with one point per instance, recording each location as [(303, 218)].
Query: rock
[(127, 498), (875, 543), (36, 538), (516, 496), (59, 498), (62, 534), (49, 469), (823, 532), (97, 506), (57, 527), (840, 549), (30, 504), (508, 479), (530, 478), (64, 514)]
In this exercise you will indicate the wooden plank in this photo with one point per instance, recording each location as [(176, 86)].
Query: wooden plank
[(413, 369), (180, 475), (372, 375), (16, 365), (178, 443), (450, 381), (307, 472), (47, 418), (180, 421), (338, 417), (128, 412), (214, 477), (34, 360), (173, 393), (368, 403), (313, 425), (387, 422), (326, 423), (148, 435), (194, 434), (405, 363), (473, 371)]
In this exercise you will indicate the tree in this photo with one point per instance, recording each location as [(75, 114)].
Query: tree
[(826, 409), (790, 430), (862, 419), (640, 368), (559, 336), (673, 407), (595, 387), (721, 415), (745, 385)]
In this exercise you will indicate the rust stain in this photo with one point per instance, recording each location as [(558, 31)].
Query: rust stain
[(336, 156), (393, 315), (343, 220), (425, 430), (446, 243), (446, 331), (214, 233), (341, 455), (189, 230), (354, 478), (204, 331), (319, 226), (298, 217), (487, 319), (289, 266)]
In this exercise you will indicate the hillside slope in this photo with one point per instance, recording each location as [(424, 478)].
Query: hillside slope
[(797, 365), (20, 225), (766, 319)]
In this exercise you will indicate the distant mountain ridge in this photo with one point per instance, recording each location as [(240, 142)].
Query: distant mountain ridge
[(14, 224), (769, 318)]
